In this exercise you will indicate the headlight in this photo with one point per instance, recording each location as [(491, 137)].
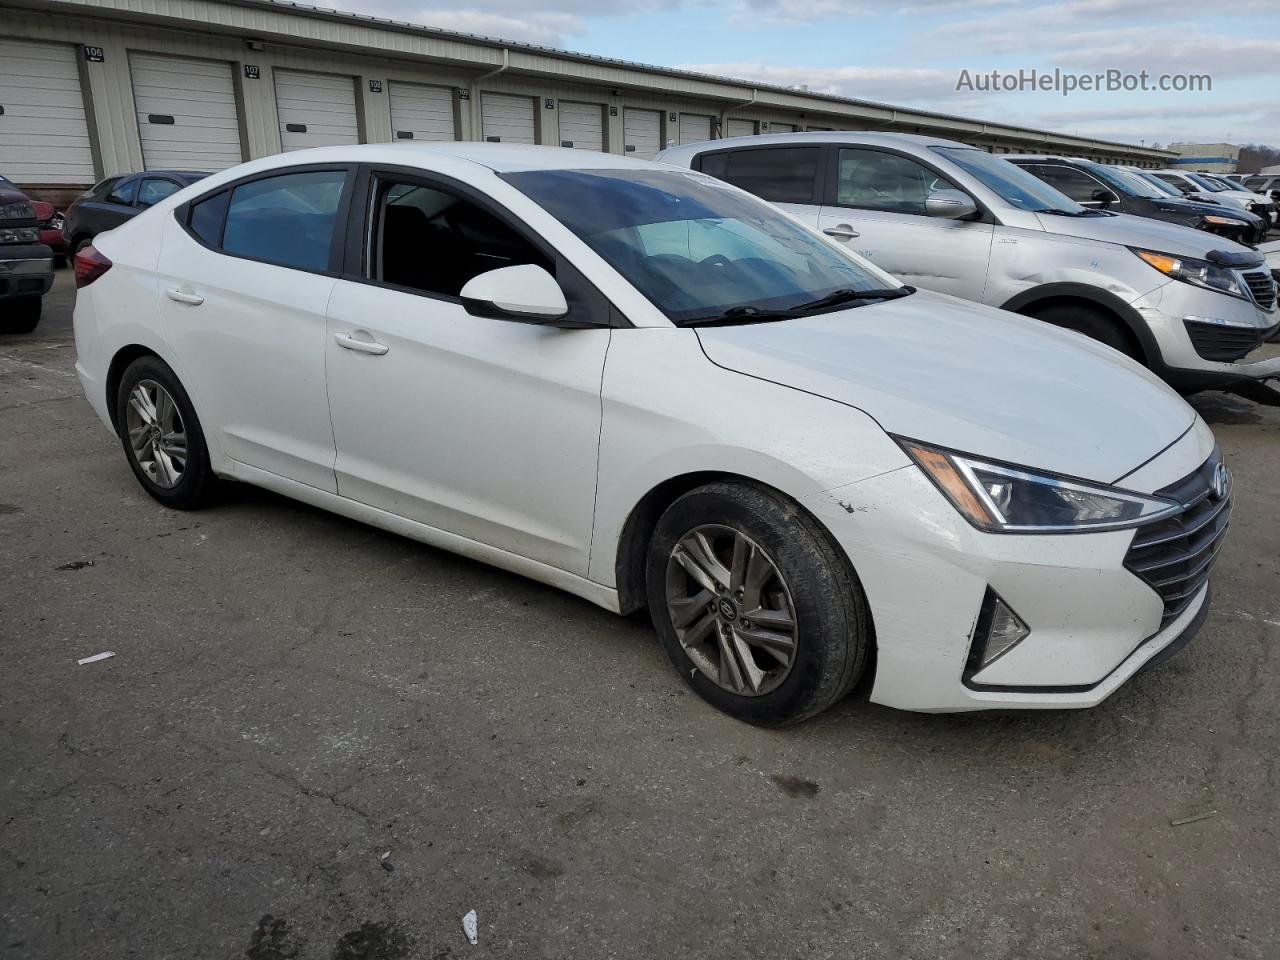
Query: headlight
[(1201, 273), (1218, 221), (1000, 498), (21, 210), (19, 234)]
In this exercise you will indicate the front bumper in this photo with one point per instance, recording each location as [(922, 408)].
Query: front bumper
[(25, 270), (926, 573), (1190, 327)]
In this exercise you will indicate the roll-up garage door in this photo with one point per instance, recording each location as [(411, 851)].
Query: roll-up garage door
[(582, 125), (419, 112), (43, 134), (507, 119), (641, 133), (694, 128), (316, 109), (186, 113), (782, 128), (740, 128)]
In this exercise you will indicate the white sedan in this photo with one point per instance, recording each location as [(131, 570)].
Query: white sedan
[(653, 390)]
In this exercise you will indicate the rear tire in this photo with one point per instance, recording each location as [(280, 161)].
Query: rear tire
[(794, 634), (161, 436), (20, 315), (1093, 323)]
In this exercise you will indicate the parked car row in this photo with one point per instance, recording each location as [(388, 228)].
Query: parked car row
[(952, 218), (1205, 186), (646, 386)]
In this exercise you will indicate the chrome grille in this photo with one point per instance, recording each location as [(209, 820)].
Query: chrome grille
[(1262, 287), (1175, 556)]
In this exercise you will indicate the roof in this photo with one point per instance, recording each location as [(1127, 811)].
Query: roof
[(685, 151)]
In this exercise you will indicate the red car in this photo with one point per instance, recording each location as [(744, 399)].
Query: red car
[(51, 221)]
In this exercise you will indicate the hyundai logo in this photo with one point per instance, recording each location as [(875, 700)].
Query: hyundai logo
[(1221, 482)]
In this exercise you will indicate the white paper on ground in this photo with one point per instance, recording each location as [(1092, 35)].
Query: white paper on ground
[(96, 657), (471, 928)]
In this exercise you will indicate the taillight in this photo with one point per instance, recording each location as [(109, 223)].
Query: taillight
[(44, 211), (90, 265)]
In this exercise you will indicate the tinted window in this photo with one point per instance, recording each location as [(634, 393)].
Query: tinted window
[(207, 216), (433, 240), (123, 193), (1080, 187), (153, 191), (287, 220), (101, 189), (692, 247), (780, 174), (872, 180), (1014, 185)]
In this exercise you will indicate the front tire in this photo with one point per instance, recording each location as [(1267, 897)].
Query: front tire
[(161, 435), (755, 607), (20, 315), (1092, 323)]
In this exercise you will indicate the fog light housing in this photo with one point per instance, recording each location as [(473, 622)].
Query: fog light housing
[(997, 631)]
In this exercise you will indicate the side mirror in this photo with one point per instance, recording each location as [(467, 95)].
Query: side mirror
[(950, 204), (1104, 196), (527, 293)]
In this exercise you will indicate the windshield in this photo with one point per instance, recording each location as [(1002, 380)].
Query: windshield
[(1014, 185), (695, 247), (1211, 185), (1159, 184), (1123, 180)]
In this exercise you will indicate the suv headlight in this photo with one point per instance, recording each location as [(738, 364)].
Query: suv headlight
[(19, 210), (1201, 273), (1000, 498)]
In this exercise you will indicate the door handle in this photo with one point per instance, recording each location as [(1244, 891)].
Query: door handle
[(842, 231), (370, 346), (179, 295)]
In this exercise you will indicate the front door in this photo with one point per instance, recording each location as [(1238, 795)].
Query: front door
[(877, 209), (480, 427)]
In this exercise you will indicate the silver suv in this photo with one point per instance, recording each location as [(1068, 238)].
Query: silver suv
[(955, 219)]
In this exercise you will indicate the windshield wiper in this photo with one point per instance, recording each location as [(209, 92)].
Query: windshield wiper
[(1057, 212), (749, 314)]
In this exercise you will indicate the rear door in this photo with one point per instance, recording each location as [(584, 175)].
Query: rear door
[(245, 276), (581, 125), (788, 175), (315, 109), (508, 119), (875, 204), (187, 116), (641, 133), (421, 112)]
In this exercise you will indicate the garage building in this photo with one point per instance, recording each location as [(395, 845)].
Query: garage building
[(93, 88)]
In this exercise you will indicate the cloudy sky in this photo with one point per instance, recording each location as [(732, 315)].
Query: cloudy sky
[(913, 55)]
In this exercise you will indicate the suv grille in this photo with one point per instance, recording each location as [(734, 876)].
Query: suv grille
[(1223, 344), (1174, 556), (1262, 287)]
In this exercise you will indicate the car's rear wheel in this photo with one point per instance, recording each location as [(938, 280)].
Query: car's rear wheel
[(20, 315), (161, 435), (756, 608), (1093, 323)]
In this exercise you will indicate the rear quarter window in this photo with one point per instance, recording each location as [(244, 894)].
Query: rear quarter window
[(777, 174), (287, 220)]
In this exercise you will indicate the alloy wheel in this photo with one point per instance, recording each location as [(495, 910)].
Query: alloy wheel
[(731, 609), (157, 435)]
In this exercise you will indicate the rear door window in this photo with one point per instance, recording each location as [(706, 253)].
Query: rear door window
[(287, 219), (777, 174), (1076, 184)]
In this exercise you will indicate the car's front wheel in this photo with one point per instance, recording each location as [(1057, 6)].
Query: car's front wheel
[(161, 435), (754, 605)]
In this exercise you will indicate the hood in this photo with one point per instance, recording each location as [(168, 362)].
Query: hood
[(1131, 231), (969, 377), (1194, 208)]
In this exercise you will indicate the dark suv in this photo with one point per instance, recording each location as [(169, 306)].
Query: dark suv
[(117, 199), (26, 265), (1108, 188)]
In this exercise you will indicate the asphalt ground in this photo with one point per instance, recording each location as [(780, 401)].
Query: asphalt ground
[(295, 695)]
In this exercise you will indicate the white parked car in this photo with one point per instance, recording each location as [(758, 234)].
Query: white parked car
[(654, 390)]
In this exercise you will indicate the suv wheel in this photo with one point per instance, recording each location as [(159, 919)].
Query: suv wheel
[(1093, 323), (161, 435), (20, 315), (757, 610)]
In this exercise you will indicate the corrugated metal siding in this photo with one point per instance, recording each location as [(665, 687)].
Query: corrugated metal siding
[(198, 97), (316, 109), (44, 136), (581, 125), (420, 112)]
